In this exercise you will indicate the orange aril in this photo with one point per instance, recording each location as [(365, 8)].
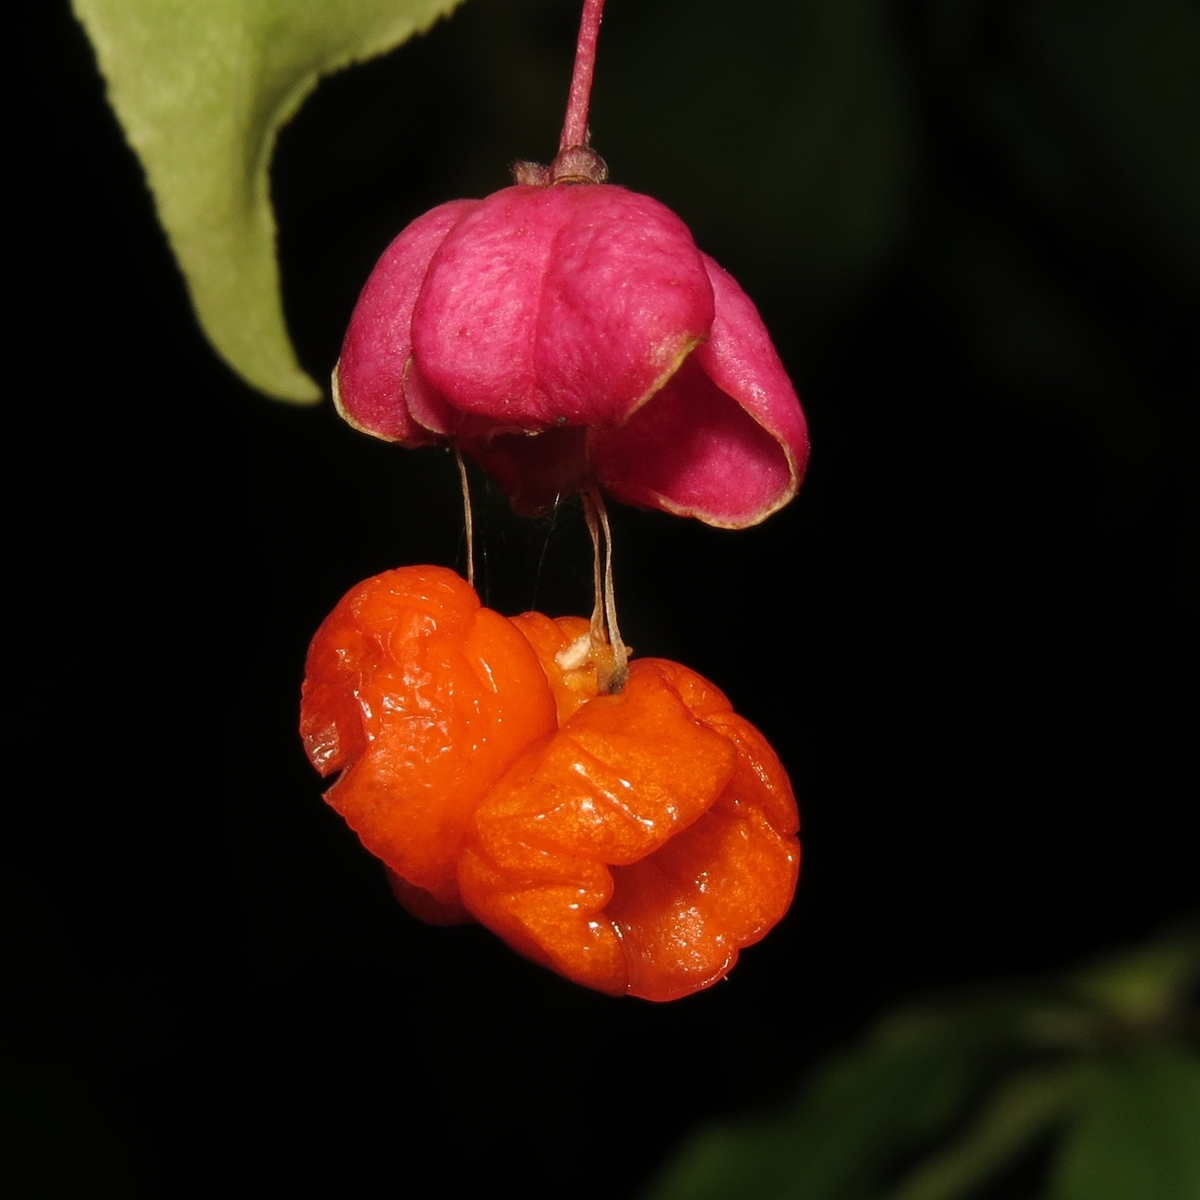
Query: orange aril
[(633, 842), (421, 698)]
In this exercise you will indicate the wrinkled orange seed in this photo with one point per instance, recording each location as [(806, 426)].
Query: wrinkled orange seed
[(632, 842)]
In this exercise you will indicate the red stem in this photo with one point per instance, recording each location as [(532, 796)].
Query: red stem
[(575, 126)]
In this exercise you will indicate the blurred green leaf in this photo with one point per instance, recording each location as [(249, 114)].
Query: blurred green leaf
[(945, 1097), (839, 155), (900, 1090), (1068, 233), (1146, 984), (201, 91), (797, 147), (1020, 1111), (1127, 74), (1138, 1134)]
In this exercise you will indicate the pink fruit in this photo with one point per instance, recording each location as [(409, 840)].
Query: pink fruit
[(568, 335)]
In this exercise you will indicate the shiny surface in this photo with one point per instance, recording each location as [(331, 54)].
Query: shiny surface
[(421, 698), (631, 842)]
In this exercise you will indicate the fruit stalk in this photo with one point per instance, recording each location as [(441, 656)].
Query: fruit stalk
[(575, 130)]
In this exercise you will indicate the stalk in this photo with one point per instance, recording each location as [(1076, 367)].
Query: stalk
[(575, 130)]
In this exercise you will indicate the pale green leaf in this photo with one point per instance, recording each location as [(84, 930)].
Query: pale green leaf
[(202, 90)]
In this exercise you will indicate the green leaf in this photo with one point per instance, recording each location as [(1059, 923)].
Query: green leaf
[(1148, 983), (944, 1097), (1139, 1132), (899, 1091), (201, 90), (1022, 1109)]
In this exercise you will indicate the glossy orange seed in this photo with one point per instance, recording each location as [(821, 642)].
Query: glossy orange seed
[(421, 698), (632, 842)]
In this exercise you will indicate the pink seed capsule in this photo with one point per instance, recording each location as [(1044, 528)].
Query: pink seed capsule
[(586, 312), (568, 335)]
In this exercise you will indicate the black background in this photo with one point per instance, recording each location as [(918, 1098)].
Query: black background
[(971, 638)]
